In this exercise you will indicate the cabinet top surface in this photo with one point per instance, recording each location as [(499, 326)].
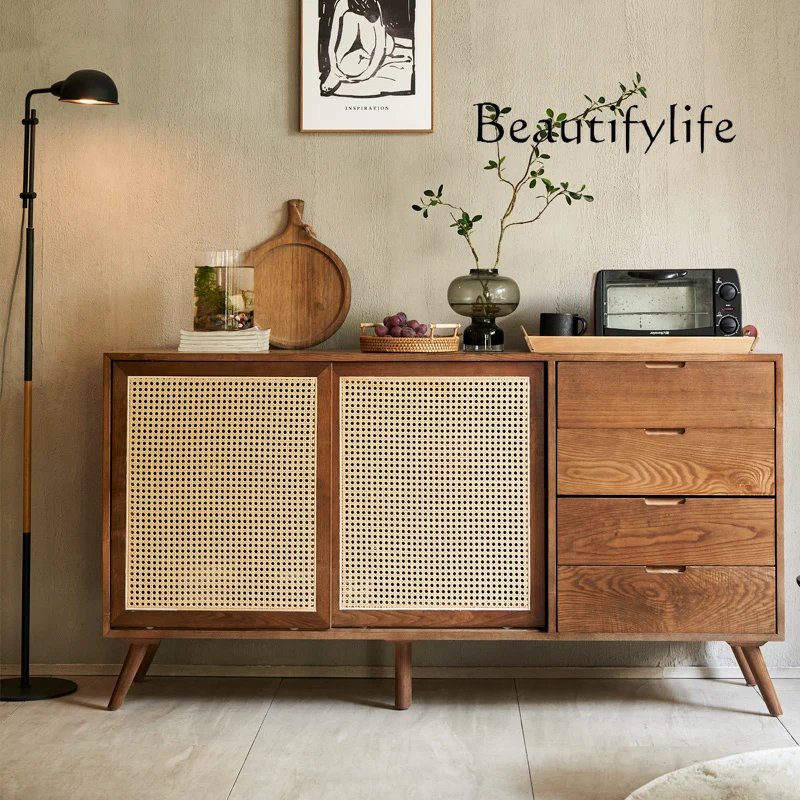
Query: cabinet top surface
[(357, 356)]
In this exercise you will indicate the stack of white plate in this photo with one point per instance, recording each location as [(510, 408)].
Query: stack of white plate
[(251, 340)]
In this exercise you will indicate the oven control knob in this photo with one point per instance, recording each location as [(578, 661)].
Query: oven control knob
[(729, 325), (728, 292)]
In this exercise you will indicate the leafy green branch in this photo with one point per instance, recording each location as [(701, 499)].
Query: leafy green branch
[(548, 130)]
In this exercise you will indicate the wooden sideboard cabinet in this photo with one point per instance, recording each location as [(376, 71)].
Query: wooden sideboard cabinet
[(334, 495)]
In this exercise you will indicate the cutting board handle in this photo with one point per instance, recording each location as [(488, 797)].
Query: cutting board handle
[(296, 208)]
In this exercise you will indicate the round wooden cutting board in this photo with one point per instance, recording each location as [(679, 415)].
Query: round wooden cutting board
[(302, 289)]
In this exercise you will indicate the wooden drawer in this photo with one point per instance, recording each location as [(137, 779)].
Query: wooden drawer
[(626, 600), (691, 462), (679, 531), (638, 394)]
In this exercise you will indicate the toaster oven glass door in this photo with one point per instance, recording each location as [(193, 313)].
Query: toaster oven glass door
[(682, 305)]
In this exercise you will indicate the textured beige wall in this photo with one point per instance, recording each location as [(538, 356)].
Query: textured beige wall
[(204, 150)]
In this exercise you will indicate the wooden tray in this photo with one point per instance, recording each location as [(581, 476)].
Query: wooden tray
[(302, 289), (425, 344), (646, 345)]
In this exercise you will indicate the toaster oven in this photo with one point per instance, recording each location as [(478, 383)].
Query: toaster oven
[(668, 302)]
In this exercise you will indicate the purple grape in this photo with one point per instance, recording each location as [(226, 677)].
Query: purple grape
[(401, 315), (413, 324), (387, 321), (381, 330), (409, 333), (422, 330), (395, 320), (396, 331)]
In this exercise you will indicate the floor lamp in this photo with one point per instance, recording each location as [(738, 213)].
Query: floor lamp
[(89, 87)]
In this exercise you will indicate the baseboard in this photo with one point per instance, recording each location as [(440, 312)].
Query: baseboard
[(487, 673)]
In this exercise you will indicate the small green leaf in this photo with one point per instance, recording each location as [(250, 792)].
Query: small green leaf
[(588, 198), (544, 156), (561, 117), (550, 113), (441, 189), (601, 99), (502, 160), (434, 202), (506, 110), (477, 217), (429, 193), (583, 187), (622, 86), (489, 167), (425, 213), (574, 195), (461, 232), (638, 78), (568, 199), (589, 99), (565, 186), (465, 216), (532, 183), (642, 91), (416, 207)]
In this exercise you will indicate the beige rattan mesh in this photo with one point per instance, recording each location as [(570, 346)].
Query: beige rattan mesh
[(221, 493), (434, 493)]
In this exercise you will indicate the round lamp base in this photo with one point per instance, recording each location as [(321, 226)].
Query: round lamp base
[(39, 689)]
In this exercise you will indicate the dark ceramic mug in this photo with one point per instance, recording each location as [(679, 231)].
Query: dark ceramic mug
[(562, 325)]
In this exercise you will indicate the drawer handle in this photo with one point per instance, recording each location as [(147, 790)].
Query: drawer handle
[(664, 501), (664, 364), (664, 570), (665, 431)]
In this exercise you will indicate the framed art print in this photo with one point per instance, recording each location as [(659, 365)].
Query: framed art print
[(366, 65)]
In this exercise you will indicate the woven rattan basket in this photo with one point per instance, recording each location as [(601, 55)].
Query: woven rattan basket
[(426, 344)]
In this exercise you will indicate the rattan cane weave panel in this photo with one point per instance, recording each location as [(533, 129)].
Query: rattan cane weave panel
[(221, 493), (435, 511)]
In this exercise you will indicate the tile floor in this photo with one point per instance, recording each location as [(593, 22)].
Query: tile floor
[(325, 739)]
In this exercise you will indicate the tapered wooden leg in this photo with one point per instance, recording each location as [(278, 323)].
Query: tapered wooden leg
[(136, 652), (141, 673), (743, 665), (402, 675), (762, 678)]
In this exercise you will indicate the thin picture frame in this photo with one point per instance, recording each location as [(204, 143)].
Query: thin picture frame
[(378, 103)]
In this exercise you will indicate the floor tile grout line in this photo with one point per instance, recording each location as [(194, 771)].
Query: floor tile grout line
[(250, 749), (524, 743), (11, 713), (791, 735)]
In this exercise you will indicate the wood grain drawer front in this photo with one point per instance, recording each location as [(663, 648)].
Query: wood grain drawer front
[(627, 600), (638, 394), (687, 530), (645, 462)]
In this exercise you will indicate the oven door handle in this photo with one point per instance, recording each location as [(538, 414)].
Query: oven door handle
[(657, 274)]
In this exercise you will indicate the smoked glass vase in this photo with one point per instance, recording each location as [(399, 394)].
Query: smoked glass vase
[(483, 295)]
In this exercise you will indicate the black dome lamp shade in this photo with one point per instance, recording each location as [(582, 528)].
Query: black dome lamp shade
[(87, 86)]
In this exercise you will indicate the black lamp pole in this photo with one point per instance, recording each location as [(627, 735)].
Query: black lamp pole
[(88, 87)]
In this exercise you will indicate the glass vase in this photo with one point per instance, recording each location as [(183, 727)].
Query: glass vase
[(223, 291), (483, 295)]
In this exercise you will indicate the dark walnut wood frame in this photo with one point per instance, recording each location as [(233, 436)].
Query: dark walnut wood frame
[(677, 409)]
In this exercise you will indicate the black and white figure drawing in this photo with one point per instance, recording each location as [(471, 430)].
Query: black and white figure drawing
[(366, 47), (367, 65)]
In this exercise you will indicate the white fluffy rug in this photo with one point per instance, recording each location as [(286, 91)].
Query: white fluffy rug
[(763, 775)]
